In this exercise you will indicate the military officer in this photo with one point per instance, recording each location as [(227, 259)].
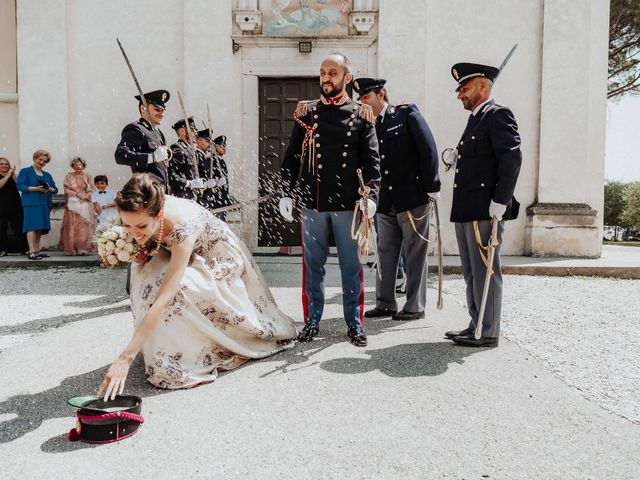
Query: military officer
[(183, 180), (332, 138), (487, 162), (220, 164), (409, 165), (207, 197), (142, 145)]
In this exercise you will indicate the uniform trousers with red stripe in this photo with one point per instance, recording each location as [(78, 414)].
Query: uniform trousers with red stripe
[(315, 243)]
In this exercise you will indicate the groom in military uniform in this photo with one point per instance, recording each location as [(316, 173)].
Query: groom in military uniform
[(487, 162), (142, 145), (409, 164), (332, 138)]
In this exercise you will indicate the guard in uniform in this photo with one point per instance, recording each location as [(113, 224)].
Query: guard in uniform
[(487, 163), (207, 197), (183, 179), (409, 164), (142, 147), (332, 138), (222, 172)]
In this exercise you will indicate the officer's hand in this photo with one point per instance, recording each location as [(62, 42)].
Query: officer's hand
[(212, 183), (222, 182), (286, 208), (161, 153), (450, 157), (371, 205), (196, 183), (497, 210), (434, 195)]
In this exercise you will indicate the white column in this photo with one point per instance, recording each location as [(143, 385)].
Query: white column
[(568, 217)]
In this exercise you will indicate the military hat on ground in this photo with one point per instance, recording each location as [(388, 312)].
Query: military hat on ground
[(365, 85), (463, 72), (157, 97), (206, 133), (180, 124), (220, 140)]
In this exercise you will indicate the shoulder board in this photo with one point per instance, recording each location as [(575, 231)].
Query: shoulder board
[(366, 112), (303, 107)]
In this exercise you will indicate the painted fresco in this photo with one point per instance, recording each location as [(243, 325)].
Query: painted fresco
[(305, 17)]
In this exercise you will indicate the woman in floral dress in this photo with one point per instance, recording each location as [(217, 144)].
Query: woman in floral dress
[(78, 229), (199, 302)]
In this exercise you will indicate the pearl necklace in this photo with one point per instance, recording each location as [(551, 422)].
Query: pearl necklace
[(156, 249)]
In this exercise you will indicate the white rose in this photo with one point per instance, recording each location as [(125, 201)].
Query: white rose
[(120, 243), (123, 256), (110, 246), (101, 250), (110, 235), (129, 247), (112, 259)]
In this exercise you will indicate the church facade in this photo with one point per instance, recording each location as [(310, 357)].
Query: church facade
[(67, 89)]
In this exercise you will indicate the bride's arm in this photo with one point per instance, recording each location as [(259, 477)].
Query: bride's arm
[(116, 375)]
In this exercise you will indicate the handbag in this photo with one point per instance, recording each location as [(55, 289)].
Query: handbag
[(75, 205)]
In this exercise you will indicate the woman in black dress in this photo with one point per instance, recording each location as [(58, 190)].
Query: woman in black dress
[(11, 237)]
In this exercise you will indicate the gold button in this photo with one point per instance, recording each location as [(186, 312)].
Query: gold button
[(344, 165), (315, 108), (382, 156), (346, 145), (390, 187), (317, 135), (455, 185), (457, 170), (319, 155), (396, 133), (482, 184), (353, 115), (344, 154), (315, 125), (461, 142), (386, 172), (319, 166), (472, 137), (381, 141), (348, 134), (351, 124), (318, 145), (459, 157), (315, 116)]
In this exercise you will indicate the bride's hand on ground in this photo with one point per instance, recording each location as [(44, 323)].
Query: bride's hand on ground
[(113, 383)]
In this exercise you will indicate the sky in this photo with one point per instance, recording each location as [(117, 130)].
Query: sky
[(622, 160)]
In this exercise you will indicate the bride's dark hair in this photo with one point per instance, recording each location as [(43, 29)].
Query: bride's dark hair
[(141, 193)]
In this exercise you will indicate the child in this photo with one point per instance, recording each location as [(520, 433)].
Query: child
[(104, 201)]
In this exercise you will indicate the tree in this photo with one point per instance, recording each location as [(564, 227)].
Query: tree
[(624, 48), (631, 214), (614, 202)]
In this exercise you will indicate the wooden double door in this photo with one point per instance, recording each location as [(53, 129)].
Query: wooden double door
[(278, 99)]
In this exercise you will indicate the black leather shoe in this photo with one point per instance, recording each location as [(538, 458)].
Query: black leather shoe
[(404, 315), (357, 336), (458, 333), (379, 312), (309, 331), (470, 341)]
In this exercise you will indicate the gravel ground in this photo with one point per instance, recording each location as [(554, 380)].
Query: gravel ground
[(581, 328)]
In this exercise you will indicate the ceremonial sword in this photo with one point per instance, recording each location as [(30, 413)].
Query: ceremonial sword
[(436, 212), (491, 248), (144, 101)]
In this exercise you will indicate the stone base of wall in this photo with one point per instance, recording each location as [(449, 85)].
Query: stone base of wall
[(562, 230)]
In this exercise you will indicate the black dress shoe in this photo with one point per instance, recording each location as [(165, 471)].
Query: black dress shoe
[(379, 312), (458, 333), (357, 336), (470, 341), (404, 315), (309, 331)]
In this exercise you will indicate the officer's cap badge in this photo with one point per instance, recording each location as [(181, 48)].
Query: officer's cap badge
[(164, 97), (455, 74), (355, 84)]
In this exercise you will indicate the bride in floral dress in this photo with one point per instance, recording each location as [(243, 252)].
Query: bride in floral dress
[(199, 301)]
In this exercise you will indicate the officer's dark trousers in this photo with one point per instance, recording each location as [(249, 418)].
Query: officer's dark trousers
[(315, 239), (395, 232), (474, 272)]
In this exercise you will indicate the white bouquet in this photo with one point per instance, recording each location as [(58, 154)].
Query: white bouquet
[(115, 246)]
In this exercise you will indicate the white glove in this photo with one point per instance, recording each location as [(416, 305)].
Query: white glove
[(222, 182), (434, 195), (371, 205), (161, 153), (212, 183), (286, 208), (450, 157), (196, 183), (497, 210)]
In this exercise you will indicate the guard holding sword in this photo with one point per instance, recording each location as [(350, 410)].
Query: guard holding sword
[(183, 180), (487, 162), (142, 145)]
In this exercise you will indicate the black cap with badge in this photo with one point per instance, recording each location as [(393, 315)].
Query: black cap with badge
[(463, 72), (205, 133), (220, 140), (180, 124), (365, 85), (157, 97)]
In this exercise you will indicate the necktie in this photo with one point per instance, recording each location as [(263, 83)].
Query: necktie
[(103, 191), (378, 124)]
